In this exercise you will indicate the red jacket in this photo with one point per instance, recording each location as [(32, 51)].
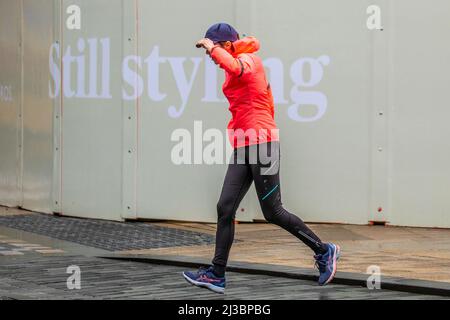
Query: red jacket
[(248, 92)]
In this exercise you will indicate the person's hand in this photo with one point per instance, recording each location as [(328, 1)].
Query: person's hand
[(205, 43)]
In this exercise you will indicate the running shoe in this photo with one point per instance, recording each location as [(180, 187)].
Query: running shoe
[(205, 278), (327, 263)]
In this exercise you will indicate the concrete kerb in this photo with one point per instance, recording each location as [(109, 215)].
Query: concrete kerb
[(346, 278)]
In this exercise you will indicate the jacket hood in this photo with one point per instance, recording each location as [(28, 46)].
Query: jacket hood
[(245, 45)]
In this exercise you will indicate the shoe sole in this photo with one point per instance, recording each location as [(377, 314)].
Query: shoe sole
[(337, 254), (209, 286)]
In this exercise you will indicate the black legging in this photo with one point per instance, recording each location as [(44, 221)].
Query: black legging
[(246, 166)]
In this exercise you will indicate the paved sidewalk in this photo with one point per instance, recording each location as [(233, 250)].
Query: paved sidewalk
[(106, 235), (412, 253), (45, 277), (415, 253)]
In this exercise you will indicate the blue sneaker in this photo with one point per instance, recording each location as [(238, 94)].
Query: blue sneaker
[(327, 263), (205, 278)]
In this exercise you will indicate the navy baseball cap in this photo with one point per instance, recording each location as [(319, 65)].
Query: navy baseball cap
[(221, 32)]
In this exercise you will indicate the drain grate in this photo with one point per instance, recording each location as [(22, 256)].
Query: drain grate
[(107, 235)]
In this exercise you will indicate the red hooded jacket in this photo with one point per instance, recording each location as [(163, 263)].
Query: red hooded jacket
[(248, 92)]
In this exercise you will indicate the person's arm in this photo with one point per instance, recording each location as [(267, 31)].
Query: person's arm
[(235, 66)]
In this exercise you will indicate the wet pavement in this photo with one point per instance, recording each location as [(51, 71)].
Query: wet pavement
[(106, 235), (34, 266), (414, 253), (45, 277)]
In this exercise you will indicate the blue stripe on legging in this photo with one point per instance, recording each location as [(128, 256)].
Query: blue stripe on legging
[(274, 188)]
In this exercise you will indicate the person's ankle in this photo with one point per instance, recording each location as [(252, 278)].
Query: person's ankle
[(323, 249), (219, 271)]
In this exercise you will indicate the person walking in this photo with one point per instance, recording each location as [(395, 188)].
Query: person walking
[(256, 156)]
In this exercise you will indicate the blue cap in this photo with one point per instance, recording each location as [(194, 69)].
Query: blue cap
[(222, 32)]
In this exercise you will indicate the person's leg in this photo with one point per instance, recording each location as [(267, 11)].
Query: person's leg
[(236, 184), (268, 188)]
